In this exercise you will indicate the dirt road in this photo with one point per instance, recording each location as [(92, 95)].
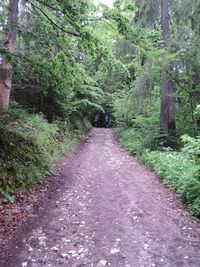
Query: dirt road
[(109, 211)]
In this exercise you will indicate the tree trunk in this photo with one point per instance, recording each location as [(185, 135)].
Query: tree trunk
[(9, 44), (167, 107)]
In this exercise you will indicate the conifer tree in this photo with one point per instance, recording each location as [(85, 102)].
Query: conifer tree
[(167, 116)]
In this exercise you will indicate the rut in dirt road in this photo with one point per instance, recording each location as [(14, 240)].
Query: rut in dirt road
[(111, 212)]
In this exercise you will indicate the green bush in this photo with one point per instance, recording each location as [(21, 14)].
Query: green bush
[(191, 147), (130, 140), (139, 139)]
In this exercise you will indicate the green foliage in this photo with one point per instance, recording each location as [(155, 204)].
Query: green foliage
[(130, 140), (57, 42), (150, 62), (180, 171), (191, 147), (29, 147), (139, 138), (183, 175)]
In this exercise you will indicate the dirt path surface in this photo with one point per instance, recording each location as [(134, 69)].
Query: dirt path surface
[(108, 211)]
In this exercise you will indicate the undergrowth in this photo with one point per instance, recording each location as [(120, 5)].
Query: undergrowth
[(179, 170), (29, 148)]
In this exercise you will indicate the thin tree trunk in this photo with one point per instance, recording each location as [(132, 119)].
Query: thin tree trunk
[(9, 44), (167, 108)]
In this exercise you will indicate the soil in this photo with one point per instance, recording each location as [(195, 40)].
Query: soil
[(101, 208)]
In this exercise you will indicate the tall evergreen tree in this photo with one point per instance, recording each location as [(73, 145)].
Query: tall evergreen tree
[(167, 115)]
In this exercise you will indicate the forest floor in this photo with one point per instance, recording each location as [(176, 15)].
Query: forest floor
[(101, 208)]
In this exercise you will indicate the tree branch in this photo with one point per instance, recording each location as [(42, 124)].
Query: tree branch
[(173, 78), (71, 20), (57, 10), (52, 22)]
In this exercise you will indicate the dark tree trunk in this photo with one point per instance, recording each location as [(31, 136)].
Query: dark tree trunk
[(167, 107), (9, 44)]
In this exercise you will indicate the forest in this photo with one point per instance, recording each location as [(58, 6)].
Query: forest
[(62, 62)]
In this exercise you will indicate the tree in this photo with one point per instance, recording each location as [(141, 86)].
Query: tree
[(167, 116), (9, 44)]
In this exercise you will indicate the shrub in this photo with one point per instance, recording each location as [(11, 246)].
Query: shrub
[(29, 147), (130, 140), (138, 139)]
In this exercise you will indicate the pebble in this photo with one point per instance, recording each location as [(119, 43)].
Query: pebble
[(42, 243), (67, 240), (80, 250), (114, 250), (102, 263), (54, 249), (30, 249), (65, 255)]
